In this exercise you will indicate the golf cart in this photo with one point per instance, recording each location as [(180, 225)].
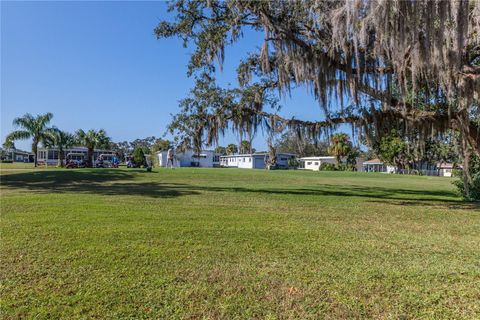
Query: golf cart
[(75, 160), (106, 161)]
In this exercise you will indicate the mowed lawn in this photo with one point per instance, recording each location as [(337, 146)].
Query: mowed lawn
[(236, 244)]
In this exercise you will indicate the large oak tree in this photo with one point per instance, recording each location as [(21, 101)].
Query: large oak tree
[(409, 65)]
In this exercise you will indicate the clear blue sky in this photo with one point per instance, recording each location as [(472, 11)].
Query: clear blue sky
[(98, 65)]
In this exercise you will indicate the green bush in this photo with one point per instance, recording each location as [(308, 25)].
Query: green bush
[(293, 163), (474, 185), (474, 188), (327, 167)]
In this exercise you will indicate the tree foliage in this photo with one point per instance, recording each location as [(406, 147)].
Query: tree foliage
[(291, 142), (31, 127), (340, 146), (378, 65), (393, 150), (231, 149), (221, 150), (92, 139), (139, 156), (60, 140)]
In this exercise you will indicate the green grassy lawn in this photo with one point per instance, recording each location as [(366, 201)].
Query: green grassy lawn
[(22, 166), (236, 244)]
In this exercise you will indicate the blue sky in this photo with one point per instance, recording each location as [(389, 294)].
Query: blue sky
[(98, 65)]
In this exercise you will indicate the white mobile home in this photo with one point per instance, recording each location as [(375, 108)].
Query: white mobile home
[(314, 163), (188, 158), (16, 155), (376, 165), (50, 155), (254, 161)]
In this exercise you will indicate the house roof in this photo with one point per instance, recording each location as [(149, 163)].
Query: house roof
[(318, 158), (17, 151), (444, 165), (256, 155), (374, 161)]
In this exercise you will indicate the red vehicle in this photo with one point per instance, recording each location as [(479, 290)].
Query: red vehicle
[(71, 165)]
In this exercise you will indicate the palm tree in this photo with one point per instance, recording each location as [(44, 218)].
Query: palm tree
[(61, 140), (92, 139), (245, 146), (340, 147), (34, 127), (231, 149)]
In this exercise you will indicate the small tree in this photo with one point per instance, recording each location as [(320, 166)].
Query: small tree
[(341, 146), (245, 147), (392, 150), (139, 156)]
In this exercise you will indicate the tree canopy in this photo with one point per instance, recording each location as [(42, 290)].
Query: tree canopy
[(34, 127), (413, 66)]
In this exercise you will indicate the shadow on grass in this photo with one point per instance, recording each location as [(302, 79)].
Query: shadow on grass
[(95, 181), (114, 182)]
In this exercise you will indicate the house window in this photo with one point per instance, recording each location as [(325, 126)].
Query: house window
[(309, 163), (53, 154), (249, 159), (283, 159), (316, 163)]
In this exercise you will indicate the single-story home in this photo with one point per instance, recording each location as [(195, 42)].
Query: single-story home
[(314, 163), (377, 165), (188, 158), (50, 155), (445, 169), (17, 155), (254, 161), (441, 169)]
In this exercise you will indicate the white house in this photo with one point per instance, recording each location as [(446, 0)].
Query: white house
[(445, 169), (314, 163), (16, 155), (50, 155), (254, 161), (188, 158), (376, 165)]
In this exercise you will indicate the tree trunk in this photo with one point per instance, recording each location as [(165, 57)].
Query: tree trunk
[(34, 150), (466, 169), (60, 158), (90, 157)]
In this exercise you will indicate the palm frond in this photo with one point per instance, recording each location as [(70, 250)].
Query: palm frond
[(19, 135)]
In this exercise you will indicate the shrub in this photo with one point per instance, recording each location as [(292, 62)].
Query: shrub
[(474, 185), (293, 163), (474, 188), (327, 167)]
